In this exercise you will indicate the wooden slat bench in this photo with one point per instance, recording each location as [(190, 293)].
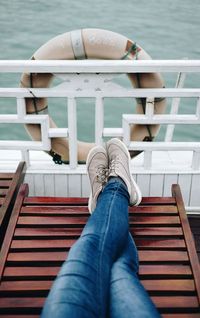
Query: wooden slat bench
[(9, 186), (42, 229)]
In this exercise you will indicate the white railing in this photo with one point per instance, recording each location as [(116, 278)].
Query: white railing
[(92, 78)]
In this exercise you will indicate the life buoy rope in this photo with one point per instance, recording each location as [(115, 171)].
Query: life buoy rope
[(83, 44)]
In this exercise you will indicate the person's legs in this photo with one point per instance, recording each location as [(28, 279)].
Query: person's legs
[(82, 286), (128, 298)]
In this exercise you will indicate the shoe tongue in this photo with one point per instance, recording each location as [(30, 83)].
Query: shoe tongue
[(112, 174)]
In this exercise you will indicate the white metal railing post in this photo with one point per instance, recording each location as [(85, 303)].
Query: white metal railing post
[(126, 131), (198, 108), (21, 107), (46, 141), (99, 120), (175, 106), (149, 112), (72, 127)]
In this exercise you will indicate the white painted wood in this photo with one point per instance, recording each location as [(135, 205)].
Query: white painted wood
[(97, 66), (25, 156), (147, 159), (156, 185), (72, 128), (29, 178), (196, 160), (85, 186), (184, 180), (39, 184), (49, 185), (143, 182), (74, 185), (99, 120), (195, 190), (61, 185), (168, 181)]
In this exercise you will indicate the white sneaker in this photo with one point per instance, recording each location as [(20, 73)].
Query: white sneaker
[(119, 166), (97, 167)]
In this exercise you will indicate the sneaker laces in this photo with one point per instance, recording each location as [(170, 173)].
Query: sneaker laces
[(102, 174), (113, 164)]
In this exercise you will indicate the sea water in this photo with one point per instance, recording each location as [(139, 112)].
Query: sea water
[(165, 29)]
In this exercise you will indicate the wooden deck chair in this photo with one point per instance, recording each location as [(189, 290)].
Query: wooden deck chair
[(42, 229), (9, 186)]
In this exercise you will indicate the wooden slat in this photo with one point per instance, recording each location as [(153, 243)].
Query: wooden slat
[(141, 243), (147, 271), (31, 272), (54, 220), (3, 192), (6, 175), (160, 256), (65, 232), (55, 201), (154, 220), (17, 286), (158, 200), (176, 302), (24, 286), (84, 201), (47, 232), (158, 210), (170, 285), (157, 231), (42, 244), (160, 243), (37, 210), (165, 270), (37, 257), (5, 183), (21, 302), (144, 256), (155, 209)]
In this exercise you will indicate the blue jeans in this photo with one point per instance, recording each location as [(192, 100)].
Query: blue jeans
[(99, 278)]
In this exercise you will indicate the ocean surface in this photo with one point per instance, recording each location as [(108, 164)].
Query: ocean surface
[(165, 29)]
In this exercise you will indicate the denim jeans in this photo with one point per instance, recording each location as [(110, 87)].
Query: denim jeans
[(99, 278)]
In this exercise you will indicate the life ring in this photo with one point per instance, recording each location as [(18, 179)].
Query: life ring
[(90, 44)]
